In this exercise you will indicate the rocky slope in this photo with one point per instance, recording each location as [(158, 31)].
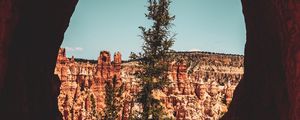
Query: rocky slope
[(202, 85)]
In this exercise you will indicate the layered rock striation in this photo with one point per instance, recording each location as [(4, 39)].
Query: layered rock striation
[(202, 85), (83, 84)]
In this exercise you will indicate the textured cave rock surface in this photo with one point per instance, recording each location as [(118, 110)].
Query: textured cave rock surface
[(31, 32), (270, 87)]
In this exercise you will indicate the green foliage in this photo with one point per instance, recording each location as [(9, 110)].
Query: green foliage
[(154, 60), (112, 99), (94, 111)]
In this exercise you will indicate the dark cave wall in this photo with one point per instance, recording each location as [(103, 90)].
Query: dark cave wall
[(6, 25), (31, 32), (270, 87)]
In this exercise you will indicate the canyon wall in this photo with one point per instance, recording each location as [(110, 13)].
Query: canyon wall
[(201, 85), (82, 92)]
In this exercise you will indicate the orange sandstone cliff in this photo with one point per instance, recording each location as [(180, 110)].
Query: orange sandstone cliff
[(202, 85)]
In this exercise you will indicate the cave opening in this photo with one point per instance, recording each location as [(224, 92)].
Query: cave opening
[(269, 89), (31, 33), (211, 65)]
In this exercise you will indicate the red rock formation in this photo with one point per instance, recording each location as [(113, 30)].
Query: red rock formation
[(271, 83), (199, 93), (104, 67), (31, 32), (117, 66), (83, 84), (189, 97), (181, 71), (61, 57)]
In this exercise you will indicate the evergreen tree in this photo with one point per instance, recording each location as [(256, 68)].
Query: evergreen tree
[(112, 99), (94, 113), (153, 59)]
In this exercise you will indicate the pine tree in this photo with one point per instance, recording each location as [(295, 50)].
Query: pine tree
[(112, 99), (94, 113), (153, 59)]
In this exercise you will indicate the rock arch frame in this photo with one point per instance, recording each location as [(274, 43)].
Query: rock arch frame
[(32, 31)]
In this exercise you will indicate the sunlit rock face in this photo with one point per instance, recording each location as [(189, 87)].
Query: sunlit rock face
[(202, 85), (83, 84)]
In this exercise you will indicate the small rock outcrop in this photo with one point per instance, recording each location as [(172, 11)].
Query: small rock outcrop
[(83, 84)]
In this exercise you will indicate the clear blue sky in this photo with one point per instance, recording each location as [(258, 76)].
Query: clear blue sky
[(206, 25)]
